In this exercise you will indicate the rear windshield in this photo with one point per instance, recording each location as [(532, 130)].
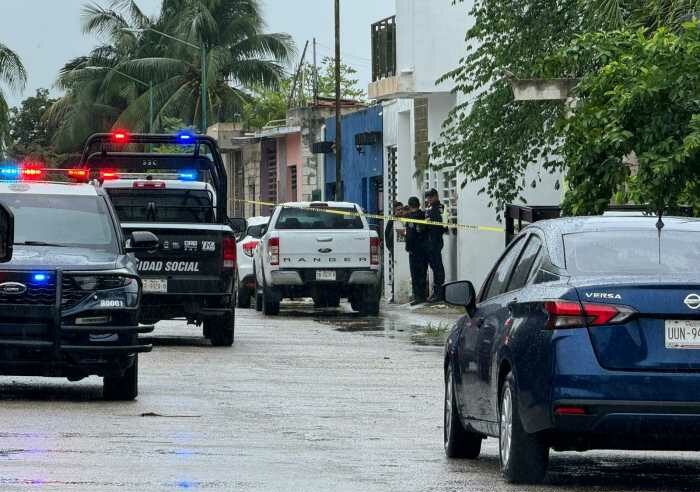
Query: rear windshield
[(304, 218), (163, 205), (57, 220), (632, 252)]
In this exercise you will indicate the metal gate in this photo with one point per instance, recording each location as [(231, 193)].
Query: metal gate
[(392, 196)]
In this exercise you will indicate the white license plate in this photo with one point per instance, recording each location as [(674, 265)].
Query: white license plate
[(325, 275), (151, 285), (683, 334)]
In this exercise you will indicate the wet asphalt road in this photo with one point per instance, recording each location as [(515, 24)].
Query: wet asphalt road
[(309, 401)]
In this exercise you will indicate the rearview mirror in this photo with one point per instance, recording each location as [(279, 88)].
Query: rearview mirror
[(461, 294), (142, 241), (238, 226), (7, 233)]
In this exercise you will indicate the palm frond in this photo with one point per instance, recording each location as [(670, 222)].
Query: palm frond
[(12, 71)]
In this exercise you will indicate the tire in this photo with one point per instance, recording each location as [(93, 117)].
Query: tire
[(243, 300), (258, 302), (271, 302), (368, 301), (524, 457), (124, 387), (459, 442), (221, 331)]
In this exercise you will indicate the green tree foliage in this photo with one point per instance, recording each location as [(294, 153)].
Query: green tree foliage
[(643, 104), (14, 77), (29, 130), (266, 106), (240, 55), (349, 83), (490, 137)]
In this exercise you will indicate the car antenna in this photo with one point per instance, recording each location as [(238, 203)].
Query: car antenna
[(659, 227)]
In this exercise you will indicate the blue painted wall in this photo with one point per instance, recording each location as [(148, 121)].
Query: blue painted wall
[(362, 173)]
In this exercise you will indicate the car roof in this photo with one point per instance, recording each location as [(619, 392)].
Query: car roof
[(48, 188), (555, 229), (322, 203), (572, 225), (255, 221)]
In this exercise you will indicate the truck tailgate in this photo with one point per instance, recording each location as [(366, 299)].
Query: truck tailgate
[(190, 259), (324, 249)]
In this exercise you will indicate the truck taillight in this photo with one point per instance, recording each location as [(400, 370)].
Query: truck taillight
[(229, 252), (374, 250), (273, 249), (249, 248)]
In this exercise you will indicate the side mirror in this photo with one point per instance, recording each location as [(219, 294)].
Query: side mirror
[(142, 241), (7, 233), (238, 226), (461, 294)]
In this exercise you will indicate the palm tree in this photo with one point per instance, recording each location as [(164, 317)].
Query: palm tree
[(14, 76), (240, 56)]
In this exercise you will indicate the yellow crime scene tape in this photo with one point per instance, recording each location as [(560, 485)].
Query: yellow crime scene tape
[(430, 223)]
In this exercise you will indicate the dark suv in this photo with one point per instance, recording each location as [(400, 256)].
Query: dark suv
[(70, 295)]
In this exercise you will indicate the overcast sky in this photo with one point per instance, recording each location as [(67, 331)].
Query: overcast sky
[(46, 33)]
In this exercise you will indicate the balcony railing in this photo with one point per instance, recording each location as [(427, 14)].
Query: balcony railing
[(384, 49)]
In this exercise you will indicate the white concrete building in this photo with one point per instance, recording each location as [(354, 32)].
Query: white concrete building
[(410, 52)]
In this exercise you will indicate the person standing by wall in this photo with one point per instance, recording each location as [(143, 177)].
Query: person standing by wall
[(434, 244), (417, 257)]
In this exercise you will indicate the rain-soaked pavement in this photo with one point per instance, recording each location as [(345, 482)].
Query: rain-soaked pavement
[(308, 401)]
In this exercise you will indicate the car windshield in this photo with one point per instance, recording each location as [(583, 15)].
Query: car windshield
[(328, 218), (163, 205), (632, 252), (58, 220)]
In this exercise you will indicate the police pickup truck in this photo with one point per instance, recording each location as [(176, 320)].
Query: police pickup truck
[(69, 289), (176, 187), (323, 250)]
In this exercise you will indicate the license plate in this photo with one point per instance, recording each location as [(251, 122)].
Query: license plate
[(151, 285), (683, 334), (325, 275)]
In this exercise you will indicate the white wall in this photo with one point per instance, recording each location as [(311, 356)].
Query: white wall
[(430, 40), (398, 130), (477, 251)]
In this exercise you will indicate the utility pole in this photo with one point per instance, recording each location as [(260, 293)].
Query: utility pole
[(338, 139), (315, 76)]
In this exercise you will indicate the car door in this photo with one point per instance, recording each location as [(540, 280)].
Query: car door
[(477, 337), (520, 277)]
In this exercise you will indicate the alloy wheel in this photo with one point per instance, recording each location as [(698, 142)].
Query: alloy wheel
[(506, 433)]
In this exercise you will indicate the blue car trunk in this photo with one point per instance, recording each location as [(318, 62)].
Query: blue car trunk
[(663, 335)]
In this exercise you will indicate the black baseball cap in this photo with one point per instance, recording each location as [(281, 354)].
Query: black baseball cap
[(414, 202), (431, 193)]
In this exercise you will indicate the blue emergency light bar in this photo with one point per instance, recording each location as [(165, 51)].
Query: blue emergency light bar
[(188, 176)]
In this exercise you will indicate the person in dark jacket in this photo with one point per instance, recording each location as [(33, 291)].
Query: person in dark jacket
[(415, 245), (434, 244)]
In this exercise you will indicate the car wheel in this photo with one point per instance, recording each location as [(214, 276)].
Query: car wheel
[(124, 387), (258, 302), (524, 457), (271, 302), (459, 442), (368, 302), (221, 330), (244, 296)]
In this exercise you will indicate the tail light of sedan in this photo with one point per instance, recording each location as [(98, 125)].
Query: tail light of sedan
[(229, 252), (249, 248), (273, 249), (571, 314)]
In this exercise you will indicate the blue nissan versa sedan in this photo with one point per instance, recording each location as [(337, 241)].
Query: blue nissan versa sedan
[(586, 335)]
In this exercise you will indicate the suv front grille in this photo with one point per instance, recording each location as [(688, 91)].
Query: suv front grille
[(71, 294), (37, 293)]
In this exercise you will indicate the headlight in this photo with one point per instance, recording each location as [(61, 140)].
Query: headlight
[(92, 283)]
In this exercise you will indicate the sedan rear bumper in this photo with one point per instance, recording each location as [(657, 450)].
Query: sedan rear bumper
[(642, 425)]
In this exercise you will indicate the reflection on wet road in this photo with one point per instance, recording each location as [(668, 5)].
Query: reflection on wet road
[(312, 400)]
